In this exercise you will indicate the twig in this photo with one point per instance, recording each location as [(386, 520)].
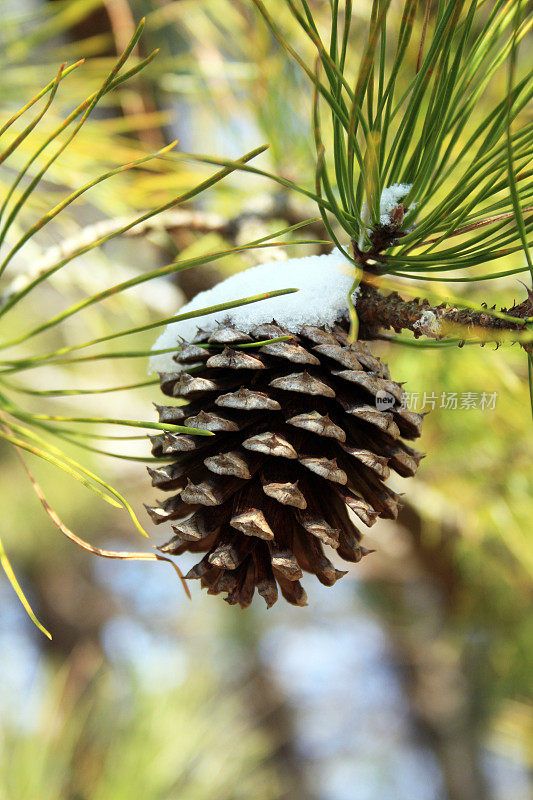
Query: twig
[(379, 311)]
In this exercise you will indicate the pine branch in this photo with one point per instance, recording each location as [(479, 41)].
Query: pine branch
[(377, 311)]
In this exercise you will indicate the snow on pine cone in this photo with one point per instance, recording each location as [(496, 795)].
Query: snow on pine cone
[(301, 450)]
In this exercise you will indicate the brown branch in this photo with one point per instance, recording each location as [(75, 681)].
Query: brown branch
[(377, 311)]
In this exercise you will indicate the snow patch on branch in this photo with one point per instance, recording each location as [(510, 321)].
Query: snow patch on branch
[(390, 197), (323, 284)]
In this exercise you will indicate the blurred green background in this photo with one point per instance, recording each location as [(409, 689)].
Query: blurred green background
[(411, 679)]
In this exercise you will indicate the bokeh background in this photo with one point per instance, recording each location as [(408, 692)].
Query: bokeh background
[(411, 679)]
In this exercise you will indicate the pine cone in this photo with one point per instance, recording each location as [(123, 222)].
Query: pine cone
[(300, 438)]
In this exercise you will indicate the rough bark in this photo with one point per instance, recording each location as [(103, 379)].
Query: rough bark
[(377, 311)]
